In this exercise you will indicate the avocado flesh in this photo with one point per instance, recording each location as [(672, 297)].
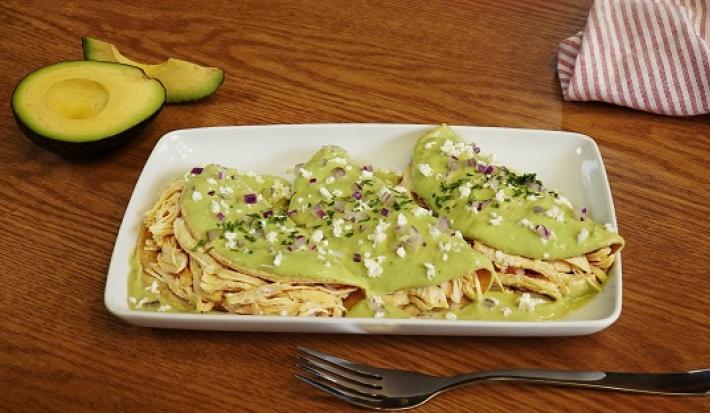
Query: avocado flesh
[(184, 81), (80, 107)]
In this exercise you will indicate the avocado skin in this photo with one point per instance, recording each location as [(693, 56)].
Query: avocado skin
[(85, 149)]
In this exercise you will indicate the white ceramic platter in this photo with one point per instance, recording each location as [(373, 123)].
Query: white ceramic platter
[(568, 162)]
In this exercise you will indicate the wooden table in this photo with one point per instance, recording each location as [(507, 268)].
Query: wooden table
[(468, 63)]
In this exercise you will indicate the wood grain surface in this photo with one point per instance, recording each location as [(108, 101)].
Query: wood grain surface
[(487, 62)]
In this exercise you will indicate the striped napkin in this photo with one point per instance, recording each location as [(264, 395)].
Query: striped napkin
[(652, 55)]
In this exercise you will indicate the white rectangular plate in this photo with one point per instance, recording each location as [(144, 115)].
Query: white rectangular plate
[(565, 161)]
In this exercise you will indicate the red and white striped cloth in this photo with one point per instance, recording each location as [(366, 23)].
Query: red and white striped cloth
[(652, 55)]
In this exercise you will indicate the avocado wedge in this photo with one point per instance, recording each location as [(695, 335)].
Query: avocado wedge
[(184, 81), (79, 108)]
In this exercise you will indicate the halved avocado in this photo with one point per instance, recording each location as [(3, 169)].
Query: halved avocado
[(80, 108), (184, 81)]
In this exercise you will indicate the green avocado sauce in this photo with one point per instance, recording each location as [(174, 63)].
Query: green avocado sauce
[(505, 210)]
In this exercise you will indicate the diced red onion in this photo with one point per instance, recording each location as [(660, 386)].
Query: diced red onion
[(442, 224), (339, 206), (213, 234), (452, 163), (490, 170), (268, 213), (312, 180), (197, 171), (298, 242), (220, 216), (582, 215), (386, 196), (357, 195), (476, 149), (250, 198), (542, 231), (367, 168), (481, 168), (384, 212), (338, 172), (471, 162), (357, 257), (220, 175), (318, 211), (292, 212)]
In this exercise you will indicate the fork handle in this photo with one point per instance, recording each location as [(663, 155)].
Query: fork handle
[(690, 383)]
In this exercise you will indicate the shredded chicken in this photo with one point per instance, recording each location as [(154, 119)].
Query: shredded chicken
[(550, 278)]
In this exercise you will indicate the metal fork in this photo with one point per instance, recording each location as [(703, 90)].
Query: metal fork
[(391, 389)]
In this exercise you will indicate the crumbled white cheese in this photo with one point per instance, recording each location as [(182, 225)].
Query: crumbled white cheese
[(224, 205), (132, 300), (527, 224), (429, 144), (196, 196), (305, 173), (374, 266), (401, 219), (325, 193), (400, 189), (456, 149), (401, 252), (154, 287), (545, 255), (425, 169), (339, 161), (317, 235), (434, 231), (375, 302), (420, 212), (214, 207), (281, 191), (379, 314), (330, 180), (272, 236), (445, 257), (506, 311), (458, 234), (582, 236), (497, 220), (226, 190), (450, 316), (365, 174), (445, 246), (430, 270), (337, 192), (555, 213), (338, 227), (379, 235), (277, 259), (299, 200), (526, 302), (348, 167), (500, 196), (259, 179), (231, 238), (211, 181), (465, 190), (532, 197), (164, 307)]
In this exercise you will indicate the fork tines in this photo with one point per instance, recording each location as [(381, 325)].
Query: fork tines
[(352, 382)]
